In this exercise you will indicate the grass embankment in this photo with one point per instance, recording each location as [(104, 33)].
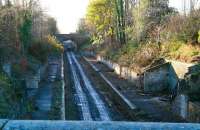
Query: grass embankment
[(180, 51)]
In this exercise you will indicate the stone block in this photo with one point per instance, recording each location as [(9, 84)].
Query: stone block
[(159, 78), (117, 68), (134, 76), (32, 82), (124, 72), (7, 68), (180, 106)]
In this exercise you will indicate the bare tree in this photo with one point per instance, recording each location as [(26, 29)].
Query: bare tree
[(194, 4), (1, 3), (184, 6)]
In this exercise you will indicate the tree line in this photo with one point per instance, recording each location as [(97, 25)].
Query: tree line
[(24, 27), (26, 41), (140, 23)]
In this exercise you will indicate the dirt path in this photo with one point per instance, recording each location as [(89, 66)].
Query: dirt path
[(43, 99), (43, 102)]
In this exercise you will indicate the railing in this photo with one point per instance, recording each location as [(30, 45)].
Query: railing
[(82, 125)]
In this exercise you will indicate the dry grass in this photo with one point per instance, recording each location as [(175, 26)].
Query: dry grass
[(139, 56), (133, 56), (180, 51)]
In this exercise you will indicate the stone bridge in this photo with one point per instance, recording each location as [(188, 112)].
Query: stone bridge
[(77, 38)]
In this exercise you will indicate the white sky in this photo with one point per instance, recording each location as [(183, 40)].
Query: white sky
[(68, 12)]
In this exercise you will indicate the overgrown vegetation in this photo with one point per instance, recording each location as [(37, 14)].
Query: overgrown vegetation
[(152, 30), (26, 41), (42, 49), (193, 81), (137, 33), (23, 28)]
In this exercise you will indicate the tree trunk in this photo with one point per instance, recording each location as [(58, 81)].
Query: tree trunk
[(120, 10), (1, 3)]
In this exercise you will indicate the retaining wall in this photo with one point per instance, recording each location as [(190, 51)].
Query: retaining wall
[(124, 72), (63, 89), (180, 107), (56, 68), (128, 108), (43, 70), (131, 75), (7, 68), (32, 82)]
